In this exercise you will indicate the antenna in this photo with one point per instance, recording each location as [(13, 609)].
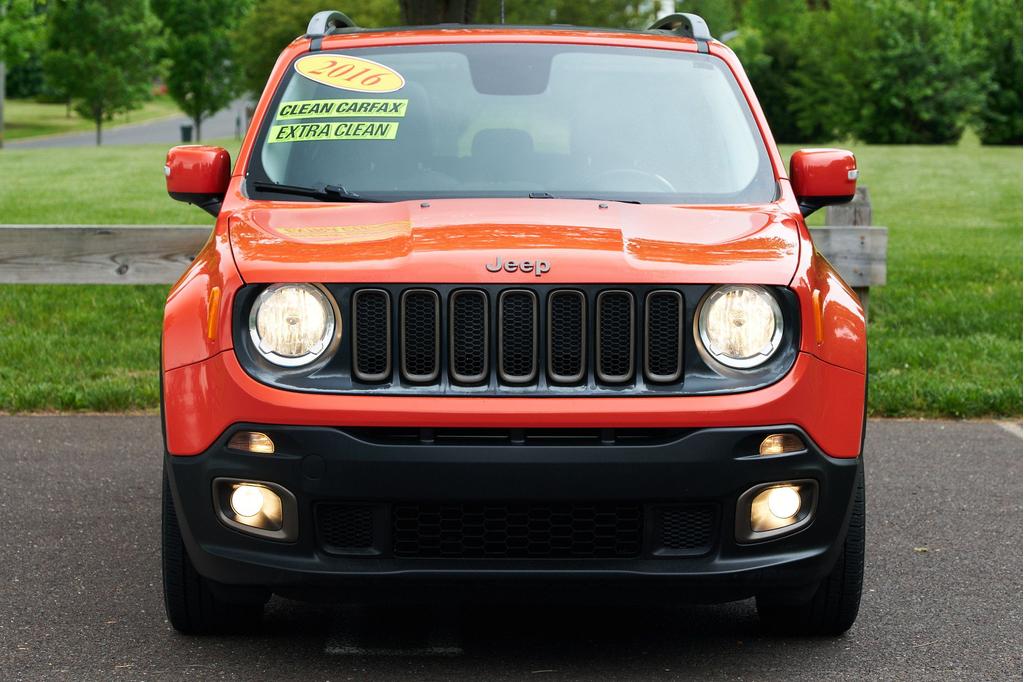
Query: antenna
[(502, 11)]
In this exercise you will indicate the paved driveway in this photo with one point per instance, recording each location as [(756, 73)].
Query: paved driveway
[(163, 130), (80, 597)]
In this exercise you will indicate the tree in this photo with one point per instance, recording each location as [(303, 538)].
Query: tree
[(102, 53), (638, 14), (769, 44), (997, 37), (272, 24), (422, 12), (202, 78), (21, 25)]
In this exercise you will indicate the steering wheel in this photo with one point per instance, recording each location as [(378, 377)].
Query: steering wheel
[(631, 179)]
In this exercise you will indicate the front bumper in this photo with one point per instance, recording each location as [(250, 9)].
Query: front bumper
[(710, 467)]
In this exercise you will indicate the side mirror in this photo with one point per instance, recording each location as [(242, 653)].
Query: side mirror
[(821, 177), (197, 174)]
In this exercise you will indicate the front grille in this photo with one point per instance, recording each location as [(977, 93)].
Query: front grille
[(567, 349), (491, 339), (469, 336), (517, 530), (615, 325), (664, 336), (517, 336), (421, 319), (371, 327)]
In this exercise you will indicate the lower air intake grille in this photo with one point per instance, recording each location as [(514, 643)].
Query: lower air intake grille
[(344, 527), (687, 529), (518, 530)]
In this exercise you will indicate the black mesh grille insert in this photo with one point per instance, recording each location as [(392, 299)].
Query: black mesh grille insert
[(489, 339), (518, 530), (615, 336), (371, 348), (664, 336), (566, 342), (469, 336), (420, 331), (517, 350), (345, 527), (687, 528)]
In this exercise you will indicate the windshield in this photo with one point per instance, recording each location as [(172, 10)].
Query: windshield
[(512, 120)]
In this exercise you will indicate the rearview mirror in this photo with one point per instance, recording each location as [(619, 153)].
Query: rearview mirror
[(822, 177), (197, 174)]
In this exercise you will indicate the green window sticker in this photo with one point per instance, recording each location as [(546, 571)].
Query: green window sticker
[(361, 130), (341, 108)]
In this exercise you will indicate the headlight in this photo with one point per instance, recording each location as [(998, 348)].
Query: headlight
[(292, 324), (740, 326)]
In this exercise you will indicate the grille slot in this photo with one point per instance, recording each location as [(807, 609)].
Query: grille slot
[(468, 345), (345, 528), (421, 332), (686, 529), (371, 335), (517, 530), (663, 331), (567, 348), (517, 336), (616, 318)]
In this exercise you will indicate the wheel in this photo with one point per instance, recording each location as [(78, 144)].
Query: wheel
[(192, 606), (833, 608)]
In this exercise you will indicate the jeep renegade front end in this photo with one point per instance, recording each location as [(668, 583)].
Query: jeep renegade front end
[(512, 306)]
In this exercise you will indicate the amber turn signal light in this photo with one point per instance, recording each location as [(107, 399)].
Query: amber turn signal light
[(781, 443), (252, 441)]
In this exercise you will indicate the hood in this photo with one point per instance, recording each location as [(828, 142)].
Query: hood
[(465, 240)]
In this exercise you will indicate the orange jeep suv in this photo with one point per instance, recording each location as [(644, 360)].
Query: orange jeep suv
[(522, 307)]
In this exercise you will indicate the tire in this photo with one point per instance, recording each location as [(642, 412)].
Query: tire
[(833, 608), (192, 606)]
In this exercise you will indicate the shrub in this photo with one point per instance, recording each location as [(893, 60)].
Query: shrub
[(915, 84)]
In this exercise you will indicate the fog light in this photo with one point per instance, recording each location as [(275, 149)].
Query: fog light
[(771, 509), (784, 502), (259, 508), (781, 443), (247, 500), (252, 441)]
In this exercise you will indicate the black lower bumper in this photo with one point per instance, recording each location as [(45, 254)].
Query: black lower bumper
[(642, 491)]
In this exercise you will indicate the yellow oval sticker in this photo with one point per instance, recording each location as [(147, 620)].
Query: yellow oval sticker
[(349, 73)]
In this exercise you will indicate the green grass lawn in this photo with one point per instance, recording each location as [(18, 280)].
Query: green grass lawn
[(945, 333), (27, 118)]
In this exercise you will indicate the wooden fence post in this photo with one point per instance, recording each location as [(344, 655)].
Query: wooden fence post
[(854, 246)]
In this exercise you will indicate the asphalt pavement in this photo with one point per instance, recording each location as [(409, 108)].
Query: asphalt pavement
[(80, 596), (165, 130)]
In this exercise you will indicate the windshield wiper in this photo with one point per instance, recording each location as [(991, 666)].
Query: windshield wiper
[(323, 193), (549, 195)]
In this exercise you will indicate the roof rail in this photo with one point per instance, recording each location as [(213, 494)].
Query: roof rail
[(327, 22), (686, 26)]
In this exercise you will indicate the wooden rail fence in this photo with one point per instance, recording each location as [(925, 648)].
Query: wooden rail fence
[(157, 254)]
